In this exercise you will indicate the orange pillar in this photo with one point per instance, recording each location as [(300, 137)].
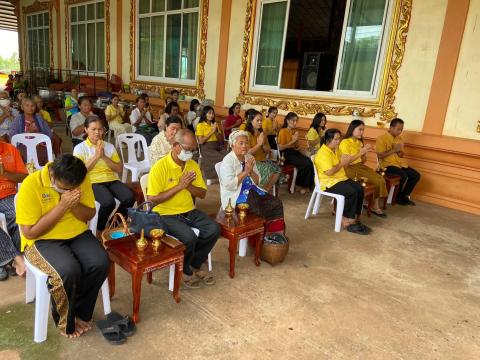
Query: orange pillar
[(223, 52)]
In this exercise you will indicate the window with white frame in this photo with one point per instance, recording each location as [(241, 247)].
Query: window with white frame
[(167, 40), (38, 40), (87, 36), (320, 47)]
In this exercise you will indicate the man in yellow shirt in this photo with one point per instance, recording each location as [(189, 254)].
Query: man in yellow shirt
[(390, 153), (53, 208), (173, 182)]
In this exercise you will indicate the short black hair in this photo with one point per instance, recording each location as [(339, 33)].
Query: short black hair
[(396, 121), (173, 119), (194, 103), (69, 169), (174, 91), (81, 99), (329, 136), (170, 105)]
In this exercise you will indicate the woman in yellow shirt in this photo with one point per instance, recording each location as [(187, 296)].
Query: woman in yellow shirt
[(114, 114), (333, 179), (288, 145), (270, 126), (103, 166), (210, 140), (352, 145), (260, 149), (316, 131)]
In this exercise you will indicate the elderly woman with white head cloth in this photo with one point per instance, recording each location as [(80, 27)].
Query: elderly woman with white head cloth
[(239, 179)]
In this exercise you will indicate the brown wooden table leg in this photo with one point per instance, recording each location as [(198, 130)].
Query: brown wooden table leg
[(177, 280), (395, 193), (258, 248), (111, 279), (232, 248), (369, 205), (136, 291), (149, 277)]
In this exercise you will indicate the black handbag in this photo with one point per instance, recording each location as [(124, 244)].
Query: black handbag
[(144, 219)]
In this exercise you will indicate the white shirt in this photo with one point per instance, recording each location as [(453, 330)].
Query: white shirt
[(136, 114), (75, 121), (229, 185)]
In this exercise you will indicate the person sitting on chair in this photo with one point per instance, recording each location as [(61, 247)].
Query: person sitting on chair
[(333, 179), (7, 114), (172, 183), (12, 172), (270, 126), (172, 109), (53, 208), (56, 140), (162, 143), (315, 133), (240, 180), (352, 144), (142, 119), (77, 122), (234, 120), (72, 103), (390, 154), (103, 166), (114, 114)]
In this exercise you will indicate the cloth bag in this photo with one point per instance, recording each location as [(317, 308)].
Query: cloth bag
[(144, 219)]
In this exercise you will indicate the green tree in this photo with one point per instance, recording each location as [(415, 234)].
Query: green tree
[(8, 64)]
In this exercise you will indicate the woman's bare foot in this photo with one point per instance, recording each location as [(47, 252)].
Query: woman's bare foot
[(19, 264), (82, 326), (73, 335)]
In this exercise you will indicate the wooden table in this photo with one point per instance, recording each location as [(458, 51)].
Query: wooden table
[(234, 229), (369, 195), (392, 180), (124, 252)]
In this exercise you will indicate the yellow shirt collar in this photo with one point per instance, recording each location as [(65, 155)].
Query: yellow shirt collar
[(45, 175)]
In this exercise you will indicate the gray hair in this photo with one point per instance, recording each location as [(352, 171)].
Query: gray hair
[(235, 135), (180, 135)]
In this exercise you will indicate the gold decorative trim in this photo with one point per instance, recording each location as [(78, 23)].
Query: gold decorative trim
[(37, 6), (304, 105), (68, 3), (197, 90)]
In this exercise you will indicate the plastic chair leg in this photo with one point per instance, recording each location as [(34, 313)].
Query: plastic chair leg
[(29, 287), (209, 261), (390, 195), (316, 207), (310, 205), (339, 214), (242, 247), (42, 303), (171, 277), (106, 298), (294, 180), (135, 174)]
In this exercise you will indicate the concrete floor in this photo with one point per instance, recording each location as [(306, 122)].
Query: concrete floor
[(410, 290)]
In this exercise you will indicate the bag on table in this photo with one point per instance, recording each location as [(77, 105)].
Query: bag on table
[(145, 219)]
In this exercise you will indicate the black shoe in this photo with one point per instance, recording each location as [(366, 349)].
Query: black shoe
[(411, 203), (3, 274), (357, 229), (365, 227), (11, 270), (401, 202)]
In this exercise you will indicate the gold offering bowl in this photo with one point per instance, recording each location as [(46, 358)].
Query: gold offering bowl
[(243, 208), (156, 235)]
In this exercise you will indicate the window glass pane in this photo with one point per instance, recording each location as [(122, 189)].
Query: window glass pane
[(29, 21), (156, 60), (100, 10), (31, 49), (73, 14), (82, 55), (39, 19), (174, 5), (45, 19), (91, 46), (74, 42), (270, 43), (35, 48), (81, 13), (47, 47), (144, 6), (172, 55), (189, 46), (158, 5), (100, 46), (190, 3), (41, 48), (362, 43), (90, 11), (144, 46), (34, 23)]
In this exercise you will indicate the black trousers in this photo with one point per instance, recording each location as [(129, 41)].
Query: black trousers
[(76, 270), (304, 166), (409, 178), (197, 248), (105, 193), (353, 193)]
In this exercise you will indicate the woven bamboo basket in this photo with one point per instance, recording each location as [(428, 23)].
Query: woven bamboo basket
[(274, 253), (118, 223)]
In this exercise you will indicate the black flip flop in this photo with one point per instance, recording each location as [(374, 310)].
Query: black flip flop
[(110, 332), (127, 326), (357, 229)]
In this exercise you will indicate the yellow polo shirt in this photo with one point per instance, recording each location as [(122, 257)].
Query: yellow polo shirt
[(324, 160), (260, 155), (242, 126), (284, 136), (166, 174), (203, 129), (37, 197), (267, 126), (45, 115), (101, 172), (312, 135), (385, 143), (351, 146)]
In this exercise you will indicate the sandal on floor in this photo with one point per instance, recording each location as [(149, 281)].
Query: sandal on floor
[(380, 214), (126, 325), (110, 332), (206, 276), (193, 282), (356, 229)]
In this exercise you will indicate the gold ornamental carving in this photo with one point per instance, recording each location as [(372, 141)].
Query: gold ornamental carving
[(197, 90), (304, 105)]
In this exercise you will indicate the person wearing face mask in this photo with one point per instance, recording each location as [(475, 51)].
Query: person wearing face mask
[(77, 122), (103, 166), (211, 142), (240, 180), (7, 114), (173, 182), (162, 143), (54, 206)]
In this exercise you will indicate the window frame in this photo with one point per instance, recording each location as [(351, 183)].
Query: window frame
[(165, 13), (37, 28), (336, 93), (86, 22)]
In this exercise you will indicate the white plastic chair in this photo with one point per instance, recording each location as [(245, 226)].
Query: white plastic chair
[(171, 278), (242, 244), (31, 140), (133, 164), (36, 289), (316, 198)]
